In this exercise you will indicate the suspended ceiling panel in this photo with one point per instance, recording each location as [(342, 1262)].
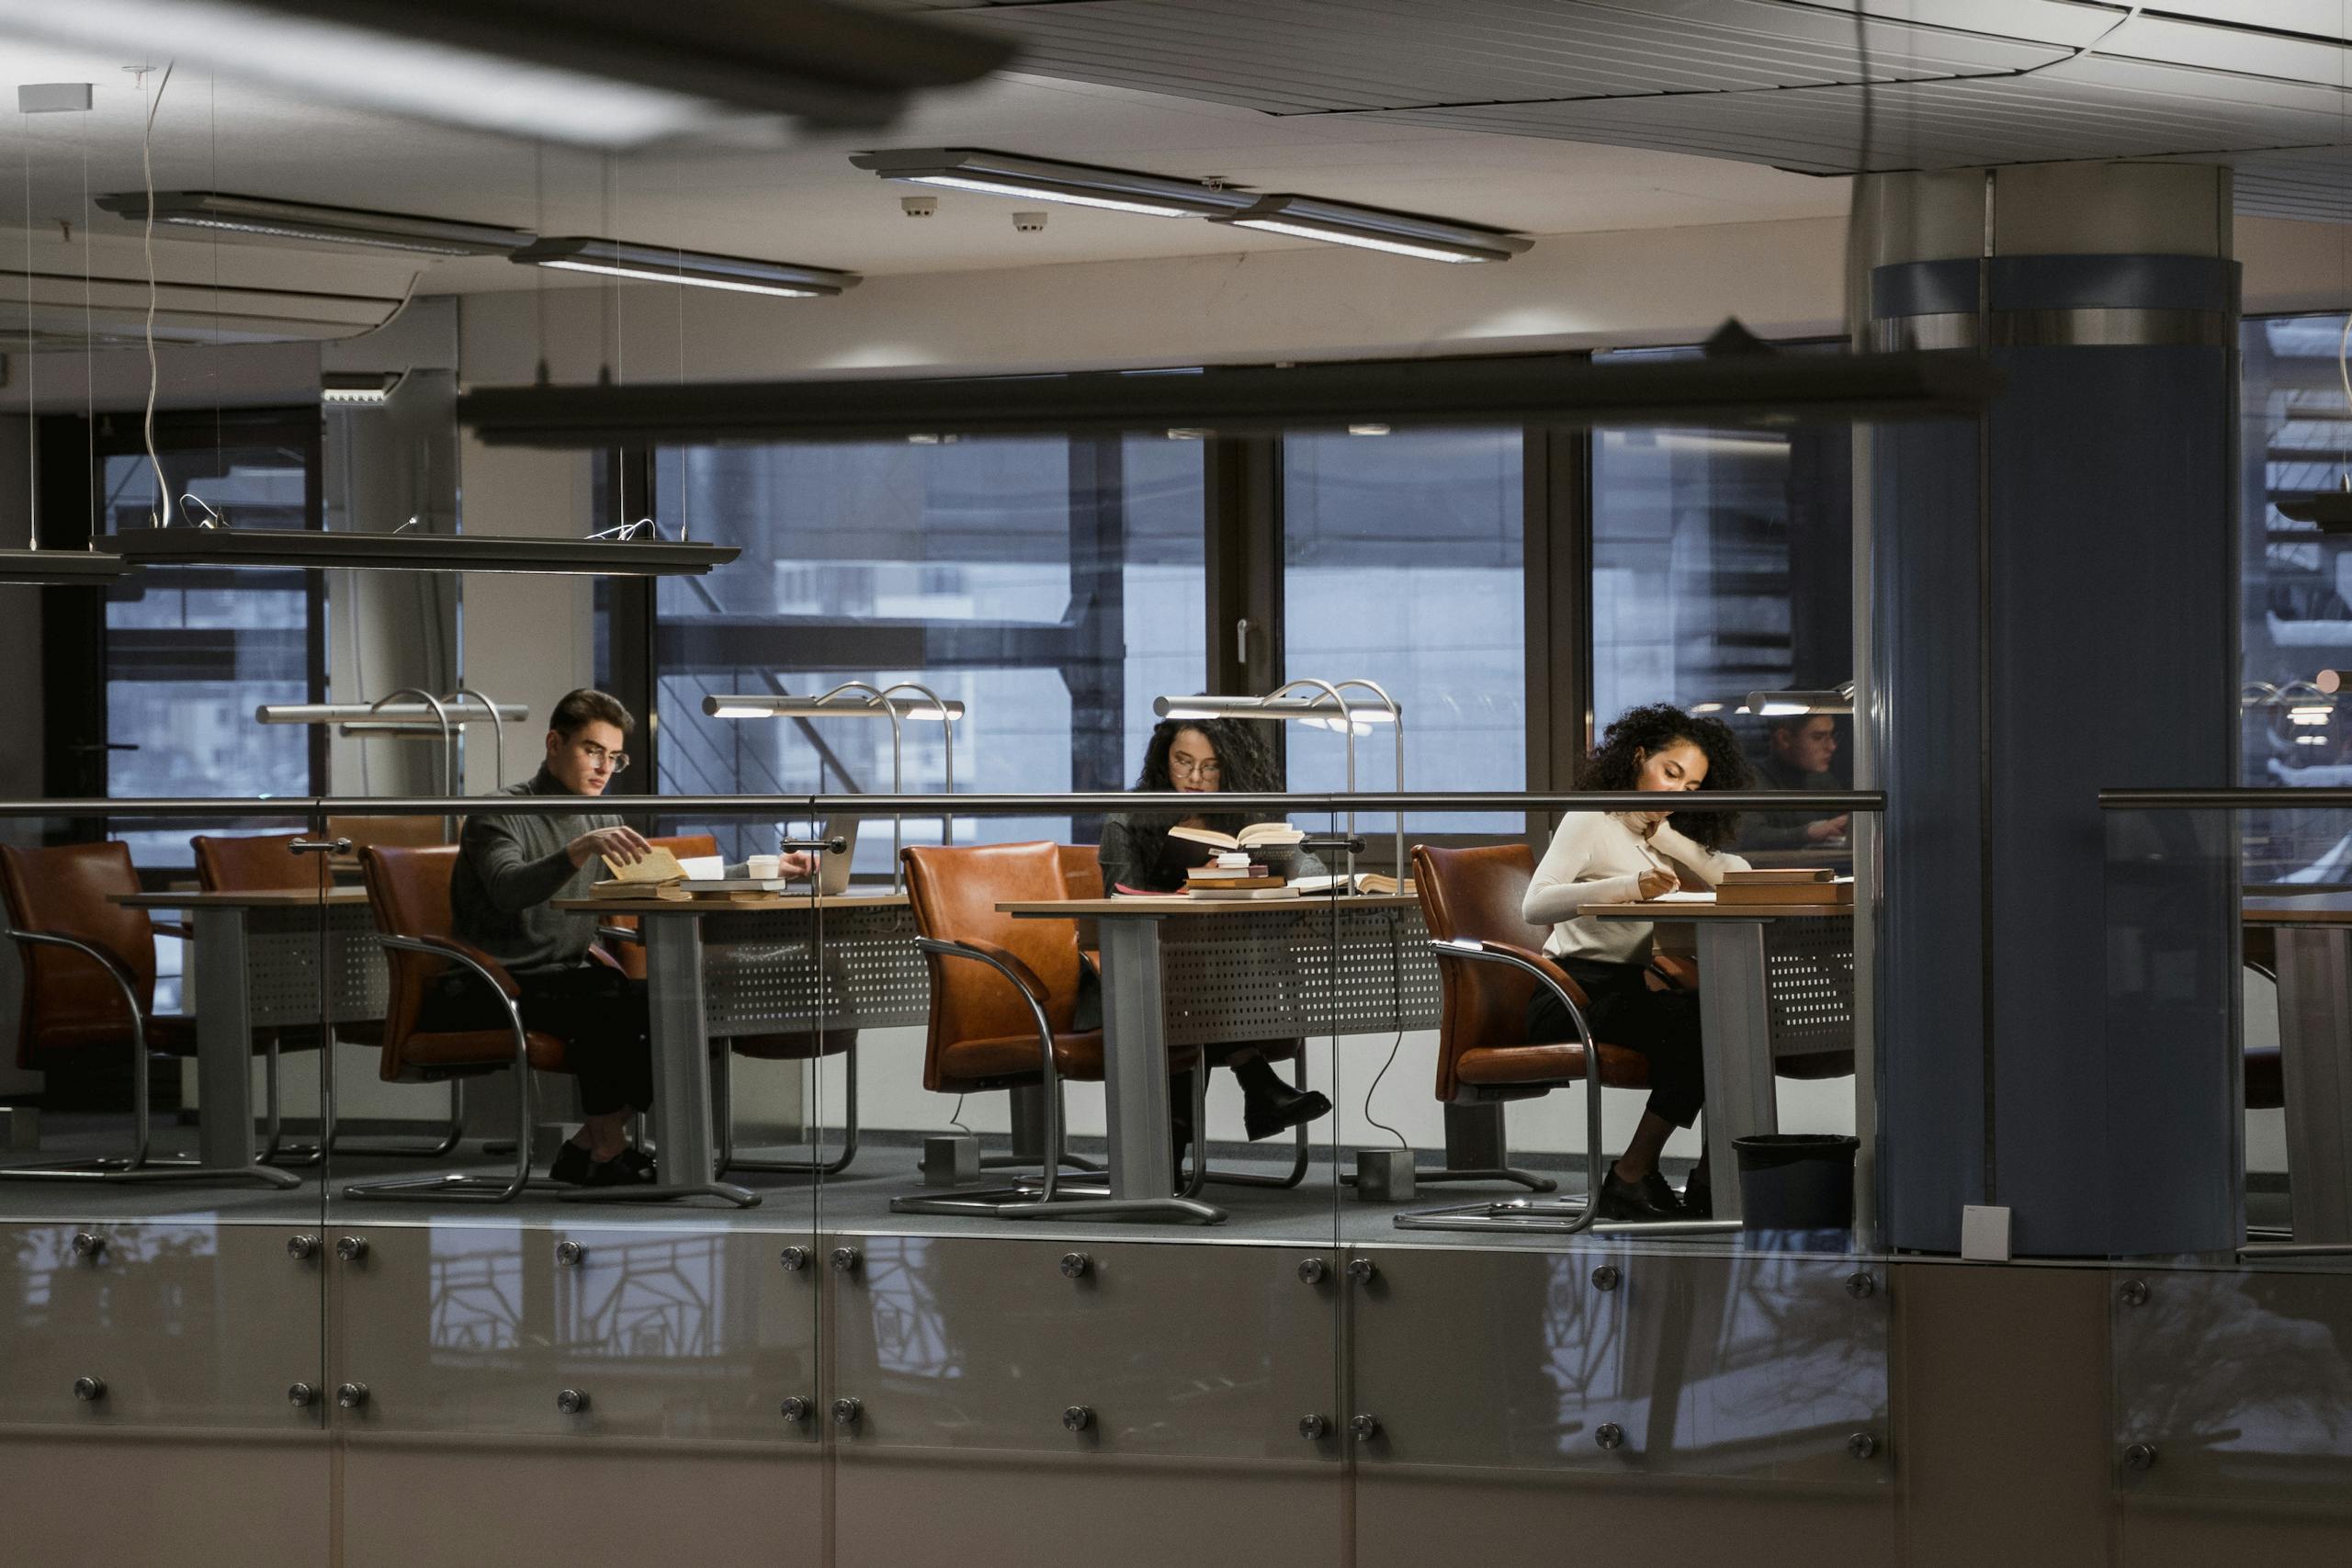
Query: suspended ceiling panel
[(1320, 56)]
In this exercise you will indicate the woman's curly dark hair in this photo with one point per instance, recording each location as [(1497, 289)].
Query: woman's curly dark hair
[(1645, 731), (1244, 764)]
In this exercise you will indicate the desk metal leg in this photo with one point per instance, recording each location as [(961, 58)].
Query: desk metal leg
[(681, 1112), (2315, 1055), (1736, 1020), (1134, 1069), (224, 1033)]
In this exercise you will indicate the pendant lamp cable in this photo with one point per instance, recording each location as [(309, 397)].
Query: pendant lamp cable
[(32, 360), (161, 518)]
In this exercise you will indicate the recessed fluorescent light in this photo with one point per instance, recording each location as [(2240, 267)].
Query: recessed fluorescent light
[(1047, 179), (1367, 430), (659, 264), (596, 72), (313, 220), (1374, 228), (365, 389)]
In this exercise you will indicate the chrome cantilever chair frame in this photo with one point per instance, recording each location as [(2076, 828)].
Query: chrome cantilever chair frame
[(458, 1184), (1564, 1216), (1044, 1196), (136, 1167)]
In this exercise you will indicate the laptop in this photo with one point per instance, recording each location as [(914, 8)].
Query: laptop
[(832, 870)]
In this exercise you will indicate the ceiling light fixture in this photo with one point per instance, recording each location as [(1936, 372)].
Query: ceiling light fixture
[(275, 220), (659, 263), (311, 549), (1374, 229), (58, 568), (595, 73), (1047, 179), (360, 388)]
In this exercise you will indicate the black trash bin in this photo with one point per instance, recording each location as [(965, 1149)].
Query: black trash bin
[(1797, 1181)]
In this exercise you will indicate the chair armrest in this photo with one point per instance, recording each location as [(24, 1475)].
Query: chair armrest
[(1003, 960), (1528, 960), (180, 928), (619, 934), (116, 971), (464, 952)]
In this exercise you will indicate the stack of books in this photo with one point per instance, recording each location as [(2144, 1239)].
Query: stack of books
[(1787, 885), (662, 876), (1233, 874)]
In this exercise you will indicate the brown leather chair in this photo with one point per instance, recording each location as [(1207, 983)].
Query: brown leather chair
[(1489, 963), (408, 891), (1081, 870), (801, 1046), (1002, 993), (268, 863), (89, 983)]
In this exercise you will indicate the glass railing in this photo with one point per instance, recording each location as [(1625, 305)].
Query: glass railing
[(981, 1169)]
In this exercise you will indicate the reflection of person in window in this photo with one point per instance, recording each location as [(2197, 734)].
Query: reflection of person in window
[(1619, 857), (1203, 757), (1799, 747)]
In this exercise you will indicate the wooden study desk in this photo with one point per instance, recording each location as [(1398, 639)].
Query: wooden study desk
[(1774, 980), (1182, 971), (717, 967), (257, 966)]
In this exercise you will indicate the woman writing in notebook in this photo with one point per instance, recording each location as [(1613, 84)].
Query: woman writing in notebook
[(1140, 855), (1620, 857)]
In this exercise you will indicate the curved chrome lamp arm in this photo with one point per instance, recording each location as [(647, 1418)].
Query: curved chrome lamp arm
[(129, 989), (1595, 1160), (1396, 721), (1347, 728), (497, 727), (440, 716), (947, 738), (898, 873)]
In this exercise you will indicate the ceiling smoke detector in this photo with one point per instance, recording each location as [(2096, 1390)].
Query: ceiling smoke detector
[(918, 206), (1029, 223)]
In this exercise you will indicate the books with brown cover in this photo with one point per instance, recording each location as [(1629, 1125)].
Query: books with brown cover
[(1779, 875), (1832, 894), (1193, 883)]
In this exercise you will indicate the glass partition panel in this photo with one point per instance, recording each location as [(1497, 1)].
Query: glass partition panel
[(607, 1268), (161, 1275)]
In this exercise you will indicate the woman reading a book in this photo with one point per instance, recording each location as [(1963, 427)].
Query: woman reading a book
[(1621, 857), (1141, 854)]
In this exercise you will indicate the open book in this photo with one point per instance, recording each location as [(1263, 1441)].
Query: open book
[(1258, 835), (660, 875), (1362, 881)]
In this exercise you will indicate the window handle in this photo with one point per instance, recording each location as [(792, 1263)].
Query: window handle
[(1241, 641)]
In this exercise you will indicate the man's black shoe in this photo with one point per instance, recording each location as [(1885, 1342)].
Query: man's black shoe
[(1649, 1200)]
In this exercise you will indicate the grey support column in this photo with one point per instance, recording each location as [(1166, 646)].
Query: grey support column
[(2052, 612)]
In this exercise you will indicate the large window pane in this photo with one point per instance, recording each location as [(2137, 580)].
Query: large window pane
[(1052, 586), (1403, 563), (1722, 566), (191, 651)]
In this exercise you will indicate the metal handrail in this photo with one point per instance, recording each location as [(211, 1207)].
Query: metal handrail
[(1011, 804), (2276, 798)]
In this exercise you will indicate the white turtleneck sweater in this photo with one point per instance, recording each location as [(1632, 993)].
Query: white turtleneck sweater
[(1596, 857)]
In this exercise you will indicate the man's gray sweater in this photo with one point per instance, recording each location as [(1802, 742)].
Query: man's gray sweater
[(508, 870)]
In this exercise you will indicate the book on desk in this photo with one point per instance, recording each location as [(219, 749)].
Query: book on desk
[(1787, 887), (662, 876)]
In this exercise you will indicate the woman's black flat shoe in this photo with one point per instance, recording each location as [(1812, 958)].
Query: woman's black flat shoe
[(1262, 1116), (635, 1163), (1649, 1200), (572, 1167)]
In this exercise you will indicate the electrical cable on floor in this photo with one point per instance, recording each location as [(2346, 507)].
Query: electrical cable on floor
[(1397, 998), (955, 1117)]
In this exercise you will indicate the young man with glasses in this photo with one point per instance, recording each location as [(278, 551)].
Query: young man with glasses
[(510, 871)]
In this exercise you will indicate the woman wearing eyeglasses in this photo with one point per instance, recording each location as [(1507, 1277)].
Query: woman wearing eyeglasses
[(1204, 757)]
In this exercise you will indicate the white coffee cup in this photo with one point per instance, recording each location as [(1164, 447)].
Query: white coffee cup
[(764, 868)]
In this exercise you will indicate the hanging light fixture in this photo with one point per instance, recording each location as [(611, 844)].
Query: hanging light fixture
[(267, 218), (358, 389), (1048, 179), (594, 72), (661, 263), (1374, 229)]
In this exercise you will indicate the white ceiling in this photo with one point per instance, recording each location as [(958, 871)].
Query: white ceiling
[(1542, 115)]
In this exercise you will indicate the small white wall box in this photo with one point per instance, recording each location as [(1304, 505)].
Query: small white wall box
[(52, 98), (1984, 1234)]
